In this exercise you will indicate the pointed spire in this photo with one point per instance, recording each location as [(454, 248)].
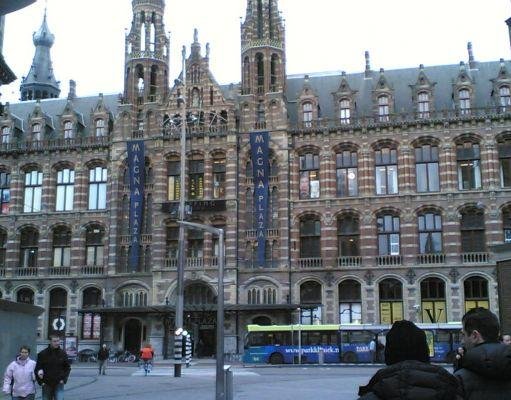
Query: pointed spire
[(40, 83), (195, 48)]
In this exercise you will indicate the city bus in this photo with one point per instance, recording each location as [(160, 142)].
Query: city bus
[(288, 344)]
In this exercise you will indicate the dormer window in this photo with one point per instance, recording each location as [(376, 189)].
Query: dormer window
[(36, 132), (505, 98), (100, 127), (423, 104), (307, 114), (6, 135), (68, 130), (383, 108), (344, 111), (464, 98)]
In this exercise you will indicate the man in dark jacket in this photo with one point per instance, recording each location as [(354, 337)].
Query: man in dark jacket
[(486, 363), (409, 375), (103, 354), (52, 370)]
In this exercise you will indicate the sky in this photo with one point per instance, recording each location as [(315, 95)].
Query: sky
[(321, 36)]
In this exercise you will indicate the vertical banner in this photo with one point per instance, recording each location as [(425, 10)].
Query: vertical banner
[(136, 167), (261, 169)]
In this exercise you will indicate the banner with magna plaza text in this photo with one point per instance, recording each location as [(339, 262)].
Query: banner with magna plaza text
[(259, 149), (136, 168)]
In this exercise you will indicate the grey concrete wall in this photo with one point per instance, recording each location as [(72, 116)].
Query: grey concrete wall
[(18, 326)]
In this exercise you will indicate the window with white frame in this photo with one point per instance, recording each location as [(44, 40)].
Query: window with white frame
[(388, 235), (307, 114), (97, 188), (36, 132), (430, 233), (350, 302), (344, 111), (464, 99), (65, 189), (61, 247), (469, 166), (386, 171), (309, 176), (383, 108), (6, 135), (346, 173), (426, 168), (100, 127), (33, 191), (69, 131), (505, 98), (94, 247), (423, 104)]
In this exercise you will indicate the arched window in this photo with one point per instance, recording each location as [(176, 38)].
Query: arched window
[(469, 166), (476, 293), (433, 305), (254, 296), (246, 75), (29, 242), (350, 302), (94, 246), (199, 294), (57, 314), (132, 296), (310, 237), (311, 301), (385, 160), (309, 176), (172, 243), (25, 295), (273, 72), (173, 179), (391, 301), (62, 247), (260, 73), (348, 235), (91, 322)]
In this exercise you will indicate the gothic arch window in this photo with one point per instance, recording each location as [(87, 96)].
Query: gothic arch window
[(246, 75), (472, 229), (391, 301), (254, 296), (274, 65), (132, 296), (311, 301), (142, 35), (260, 72), (29, 247), (196, 98), (310, 237), (350, 302), (433, 303), (62, 246), (152, 34), (25, 295), (199, 294)]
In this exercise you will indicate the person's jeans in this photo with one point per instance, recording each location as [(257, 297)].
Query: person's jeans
[(102, 367), (29, 397), (53, 392)]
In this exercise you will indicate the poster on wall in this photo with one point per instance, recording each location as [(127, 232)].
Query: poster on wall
[(71, 347)]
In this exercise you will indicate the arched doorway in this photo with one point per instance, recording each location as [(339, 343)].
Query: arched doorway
[(132, 335)]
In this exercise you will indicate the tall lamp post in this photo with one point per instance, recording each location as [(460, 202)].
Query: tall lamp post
[(181, 250), (220, 380)]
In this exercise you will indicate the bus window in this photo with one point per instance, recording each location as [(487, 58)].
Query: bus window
[(361, 336), (281, 338), (343, 337), (315, 338), (257, 339), (443, 336)]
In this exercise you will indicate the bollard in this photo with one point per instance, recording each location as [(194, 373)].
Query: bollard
[(321, 356), (229, 387)]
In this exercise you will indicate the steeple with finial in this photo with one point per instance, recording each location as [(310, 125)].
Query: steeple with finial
[(40, 82)]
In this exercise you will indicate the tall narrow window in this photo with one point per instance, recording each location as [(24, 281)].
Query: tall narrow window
[(246, 75), (195, 247), (311, 300), (309, 176), (310, 238), (5, 192), (62, 247), (464, 98), (260, 73), (423, 104), (307, 114), (172, 242), (91, 324), (433, 303), (473, 237), (97, 188), (348, 235), (100, 127), (94, 247), (29, 242), (68, 130), (469, 166), (350, 302), (273, 72), (344, 111), (3, 248), (219, 178), (33, 191), (36, 132), (430, 233), (426, 168), (196, 179), (504, 149), (388, 235), (383, 108), (506, 224), (476, 293), (249, 209), (391, 301), (5, 137), (65, 189), (347, 172), (57, 312), (505, 98), (173, 180), (386, 171)]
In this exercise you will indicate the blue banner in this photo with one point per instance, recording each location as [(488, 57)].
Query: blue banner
[(259, 148), (136, 168)]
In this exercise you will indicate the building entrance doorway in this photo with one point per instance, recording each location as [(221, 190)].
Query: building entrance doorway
[(132, 336)]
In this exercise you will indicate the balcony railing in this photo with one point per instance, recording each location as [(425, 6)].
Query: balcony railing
[(171, 263), (54, 144), (311, 262), (26, 271), (388, 260), (92, 270), (194, 262), (254, 264), (196, 130), (431, 258), (475, 258), (59, 271), (349, 261)]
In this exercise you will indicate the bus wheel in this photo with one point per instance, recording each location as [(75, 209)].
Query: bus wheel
[(349, 357), (276, 358)]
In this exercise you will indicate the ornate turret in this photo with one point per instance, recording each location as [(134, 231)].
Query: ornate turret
[(146, 54), (40, 83)]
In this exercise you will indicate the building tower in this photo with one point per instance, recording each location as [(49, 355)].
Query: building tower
[(146, 54), (263, 62), (40, 83)]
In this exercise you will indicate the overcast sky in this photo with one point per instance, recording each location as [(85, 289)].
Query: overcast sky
[(321, 35)]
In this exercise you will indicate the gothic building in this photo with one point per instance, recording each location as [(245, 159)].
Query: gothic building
[(385, 191)]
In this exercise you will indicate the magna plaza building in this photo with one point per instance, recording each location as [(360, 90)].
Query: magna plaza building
[(383, 191)]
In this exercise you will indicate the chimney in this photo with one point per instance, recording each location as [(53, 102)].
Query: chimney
[(471, 60), (368, 65), (72, 90)]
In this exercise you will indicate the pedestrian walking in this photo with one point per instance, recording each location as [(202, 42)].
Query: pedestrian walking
[(19, 378), (372, 350), (506, 339), (485, 371), (103, 355), (147, 354), (52, 370), (408, 375)]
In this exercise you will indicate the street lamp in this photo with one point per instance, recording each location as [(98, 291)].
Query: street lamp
[(220, 379)]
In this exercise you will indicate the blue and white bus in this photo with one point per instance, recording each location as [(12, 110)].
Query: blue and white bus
[(288, 344)]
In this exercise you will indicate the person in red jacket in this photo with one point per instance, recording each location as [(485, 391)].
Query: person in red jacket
[(147, 354)]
